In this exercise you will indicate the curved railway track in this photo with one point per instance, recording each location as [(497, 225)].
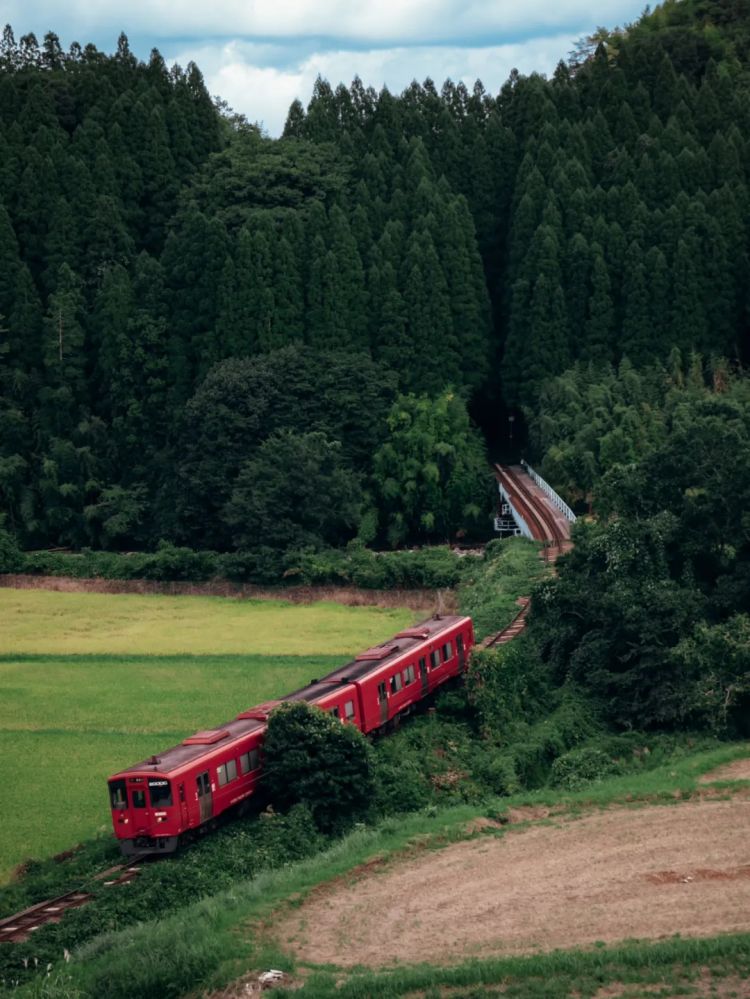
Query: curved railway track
[(20, 927), (542, 523)]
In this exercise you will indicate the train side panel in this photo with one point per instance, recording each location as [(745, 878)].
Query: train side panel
[(396, 687)]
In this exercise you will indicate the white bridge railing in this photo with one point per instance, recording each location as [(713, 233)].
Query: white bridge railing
[(556, 500), (521, 524)]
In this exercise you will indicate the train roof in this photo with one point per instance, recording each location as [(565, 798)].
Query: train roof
[(374, 659), (255, 719), (193, 747)]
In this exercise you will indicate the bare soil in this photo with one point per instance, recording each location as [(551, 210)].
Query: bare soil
[(738, 770), (625, 873), (429, 601)]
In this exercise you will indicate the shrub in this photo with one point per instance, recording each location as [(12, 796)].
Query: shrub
[(425, 568), (11, 556), (579, 767), (311, 758), (508, 687), (172, 563)]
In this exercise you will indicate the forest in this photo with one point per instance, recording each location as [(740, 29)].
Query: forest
[(251, 346)]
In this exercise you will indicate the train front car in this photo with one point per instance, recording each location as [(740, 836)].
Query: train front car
[(189, 786), (146, 813)]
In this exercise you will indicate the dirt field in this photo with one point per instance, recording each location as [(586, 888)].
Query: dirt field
[(625, 873), (737, 770)]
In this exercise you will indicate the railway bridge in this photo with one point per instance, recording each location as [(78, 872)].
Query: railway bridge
[(530, 506)]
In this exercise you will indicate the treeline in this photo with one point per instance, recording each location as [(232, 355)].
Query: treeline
[(389, 261), (610, 202), (648, 614), (162, 265)]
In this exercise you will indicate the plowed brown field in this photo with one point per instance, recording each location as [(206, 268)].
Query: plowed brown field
[(644, 872)]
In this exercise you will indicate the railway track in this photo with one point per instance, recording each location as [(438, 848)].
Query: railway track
[(510, 632), (21, 926)]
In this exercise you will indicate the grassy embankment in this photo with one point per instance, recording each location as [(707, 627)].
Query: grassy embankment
[(215, 940), (91, 682)]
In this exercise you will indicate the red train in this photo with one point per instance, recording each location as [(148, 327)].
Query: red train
[(186, 787)]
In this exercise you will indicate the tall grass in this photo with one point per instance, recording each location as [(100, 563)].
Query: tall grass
[(492, 584), (558, 974)]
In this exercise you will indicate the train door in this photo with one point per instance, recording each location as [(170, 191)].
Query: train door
[(139, 805), (423, 675), (461, 653), (383, 702), (205, 798), (184, 817)]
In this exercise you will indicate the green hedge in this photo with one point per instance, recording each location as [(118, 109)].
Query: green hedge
[(427, 568)]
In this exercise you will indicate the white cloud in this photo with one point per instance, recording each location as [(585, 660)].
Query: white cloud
[(239, 72), (385, 22), (261, 54)]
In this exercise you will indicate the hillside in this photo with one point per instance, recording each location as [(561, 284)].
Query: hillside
[(190, 307)]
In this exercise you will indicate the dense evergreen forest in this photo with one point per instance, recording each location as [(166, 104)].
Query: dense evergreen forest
[(227, 341)]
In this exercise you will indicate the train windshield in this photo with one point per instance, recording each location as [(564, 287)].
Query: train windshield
[(160, 792), (117, 794)]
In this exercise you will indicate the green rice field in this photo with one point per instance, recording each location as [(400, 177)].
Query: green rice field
[(90, 683)]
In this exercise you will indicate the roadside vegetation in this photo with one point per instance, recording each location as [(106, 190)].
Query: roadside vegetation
[(213, 906)]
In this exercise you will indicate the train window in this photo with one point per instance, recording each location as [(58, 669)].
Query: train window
[(139, 798), (231, 766), (221, 773), (435, 658), (349, 709), (423, 665), (160, 793), (249, 761), (382, 696), (203, 785), (447, 652), (117, 794), (409, 675), (396, 683), (335, 711)]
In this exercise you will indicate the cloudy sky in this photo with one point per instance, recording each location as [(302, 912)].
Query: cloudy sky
[(261, 54)]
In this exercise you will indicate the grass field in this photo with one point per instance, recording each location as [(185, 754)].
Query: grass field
[(40, 622), (90, 683)]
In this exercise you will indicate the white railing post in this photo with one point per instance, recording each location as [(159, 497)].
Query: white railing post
[(556, 500), (522, 525)]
